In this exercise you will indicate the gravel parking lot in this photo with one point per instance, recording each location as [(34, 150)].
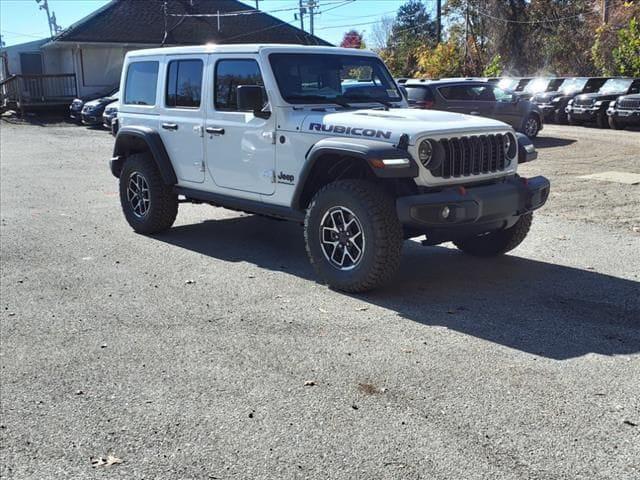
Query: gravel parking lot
[(211, 352)]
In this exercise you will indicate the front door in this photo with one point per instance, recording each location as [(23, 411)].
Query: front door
[(240, 147), (182, 117)]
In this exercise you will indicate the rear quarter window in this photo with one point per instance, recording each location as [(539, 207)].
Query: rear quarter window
[(141, 83)]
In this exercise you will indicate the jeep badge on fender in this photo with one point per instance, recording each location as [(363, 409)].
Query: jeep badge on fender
[(359, 169)]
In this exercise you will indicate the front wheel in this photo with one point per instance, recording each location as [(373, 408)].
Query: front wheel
[(616, 125), (601, 120), (572, 120), (531, 126), (498, 242), (148, 204), (353, 235)]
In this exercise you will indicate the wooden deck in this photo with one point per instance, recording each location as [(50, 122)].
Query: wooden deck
[(33, 92)]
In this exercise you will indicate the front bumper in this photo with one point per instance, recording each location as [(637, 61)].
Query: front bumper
[(107, 120), (92, 118), (631, 116), (583, 113), (473, 209), (75, 114)]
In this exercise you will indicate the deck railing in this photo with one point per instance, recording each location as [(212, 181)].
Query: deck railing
[(38, 90)]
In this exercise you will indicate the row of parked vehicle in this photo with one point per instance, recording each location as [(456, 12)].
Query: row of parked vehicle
[(99, 111), (526, 103)]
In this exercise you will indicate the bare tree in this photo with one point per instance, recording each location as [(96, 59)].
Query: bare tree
[(380, 33)]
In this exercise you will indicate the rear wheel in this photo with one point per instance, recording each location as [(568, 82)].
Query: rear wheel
[(353, 235), (148, 204), (498, 242), (531, 126), (560, 117)]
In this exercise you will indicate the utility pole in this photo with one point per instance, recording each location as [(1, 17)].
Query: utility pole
[(302, 12), (257, 4), (605, 11), (311, 5), (466, 35), (54, 28), (439, 20)]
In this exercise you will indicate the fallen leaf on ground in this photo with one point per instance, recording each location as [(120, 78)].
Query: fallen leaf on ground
[(309, 383), (362, 309), (189, 282), (629, 422), (105, 462)]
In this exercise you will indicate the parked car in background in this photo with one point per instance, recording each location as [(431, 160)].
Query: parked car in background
[(476, 98), (75, 109), (92, 111), (514, 84), (110, 116), (539, 85), (592, 107), (553, 103), (624, 111)]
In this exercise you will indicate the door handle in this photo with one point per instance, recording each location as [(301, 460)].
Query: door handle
[(170, 126), (215, 131)]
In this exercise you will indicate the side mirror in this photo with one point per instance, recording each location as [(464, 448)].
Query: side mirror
[(404, 91), (250, 98)]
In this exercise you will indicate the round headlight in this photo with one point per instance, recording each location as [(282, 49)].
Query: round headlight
[(510, 144), (425, 152)]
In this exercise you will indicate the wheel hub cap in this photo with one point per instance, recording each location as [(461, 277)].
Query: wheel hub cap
[(342, 238), (138, 194)]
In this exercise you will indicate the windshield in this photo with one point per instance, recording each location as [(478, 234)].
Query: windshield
[(329, 78), (615, 85), (537, 85), (508, 83), (571, 85)]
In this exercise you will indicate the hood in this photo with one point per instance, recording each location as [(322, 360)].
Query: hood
[(100, 101), (546, 97), (392, 124), (593, 97)]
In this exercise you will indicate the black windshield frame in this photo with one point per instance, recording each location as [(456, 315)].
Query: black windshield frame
[(378, 73)]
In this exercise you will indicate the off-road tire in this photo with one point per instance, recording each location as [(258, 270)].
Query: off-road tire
[(572, 121), (560, 118), (163, 204), (375, 210), (613, 123), (601, 120), (498, 242)]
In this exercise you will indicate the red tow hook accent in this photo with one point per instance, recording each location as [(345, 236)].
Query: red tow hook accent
[(462, 191), (525, 180)]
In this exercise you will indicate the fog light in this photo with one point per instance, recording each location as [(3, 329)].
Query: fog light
[(445, 212)]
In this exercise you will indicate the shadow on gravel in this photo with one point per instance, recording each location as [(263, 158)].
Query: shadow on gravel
[(540, 308), (551, 142)]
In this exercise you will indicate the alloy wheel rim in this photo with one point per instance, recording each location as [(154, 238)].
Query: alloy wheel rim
[(532, 127), (342, 238), (138, 194)]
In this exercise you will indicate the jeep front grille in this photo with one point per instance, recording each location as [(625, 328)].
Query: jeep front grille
[(628, 104), (474, 155), (583, 102)]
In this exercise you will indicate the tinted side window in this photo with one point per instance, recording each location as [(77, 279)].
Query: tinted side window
[(184, 83), (455, 93), (141, 83), (229, 75), (419, 94)]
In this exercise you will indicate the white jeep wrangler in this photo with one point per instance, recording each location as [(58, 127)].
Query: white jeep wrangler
[(321, 136)]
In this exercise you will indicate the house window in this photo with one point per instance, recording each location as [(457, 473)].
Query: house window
[(184, 84), (141, 84), (229, 75)]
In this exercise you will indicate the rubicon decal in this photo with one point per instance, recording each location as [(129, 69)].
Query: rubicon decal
[(357, 131)]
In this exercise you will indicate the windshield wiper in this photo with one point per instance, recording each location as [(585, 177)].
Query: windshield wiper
[(362, 98), (321, 99)]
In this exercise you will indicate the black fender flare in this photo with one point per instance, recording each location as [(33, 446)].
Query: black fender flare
[(136, 139), (360, 148), (526, 149)]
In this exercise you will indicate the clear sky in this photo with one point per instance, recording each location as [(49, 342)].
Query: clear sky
[(21, 20)]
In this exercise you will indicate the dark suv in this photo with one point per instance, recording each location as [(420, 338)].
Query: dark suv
[(553, 104), (476, 98), (540, 85), (625, 111), (590, 107)]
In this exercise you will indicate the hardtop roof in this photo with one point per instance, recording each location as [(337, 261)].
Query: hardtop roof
[(248, 48)]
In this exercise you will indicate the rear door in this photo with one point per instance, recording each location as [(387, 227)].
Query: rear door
[(182, 115)]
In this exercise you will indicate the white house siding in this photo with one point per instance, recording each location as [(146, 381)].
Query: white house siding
[(11, 56)]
